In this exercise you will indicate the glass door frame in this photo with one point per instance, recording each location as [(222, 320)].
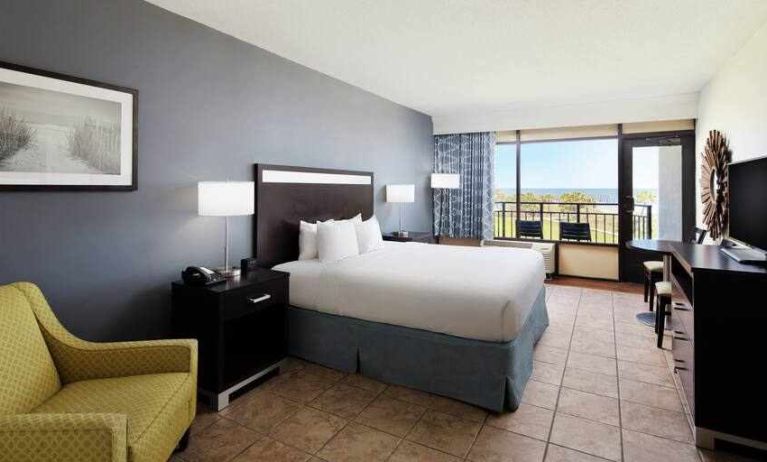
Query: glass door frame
[(630, 261)]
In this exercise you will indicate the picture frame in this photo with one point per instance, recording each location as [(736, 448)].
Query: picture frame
[(65, 133)]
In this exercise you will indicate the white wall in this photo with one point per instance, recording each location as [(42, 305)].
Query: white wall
[(735, 103)]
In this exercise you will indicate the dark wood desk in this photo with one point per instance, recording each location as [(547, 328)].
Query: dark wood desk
[(719, 341)]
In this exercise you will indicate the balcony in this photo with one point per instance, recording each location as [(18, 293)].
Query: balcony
[(602, 219)]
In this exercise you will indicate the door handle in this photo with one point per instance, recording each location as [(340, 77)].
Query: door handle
[(629, 204)]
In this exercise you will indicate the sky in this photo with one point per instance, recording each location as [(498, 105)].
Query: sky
[(586, 164)]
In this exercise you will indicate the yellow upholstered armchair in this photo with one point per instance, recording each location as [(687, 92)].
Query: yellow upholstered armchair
[(65, 399)]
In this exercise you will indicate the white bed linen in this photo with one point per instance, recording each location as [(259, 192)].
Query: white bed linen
[(482, 293)]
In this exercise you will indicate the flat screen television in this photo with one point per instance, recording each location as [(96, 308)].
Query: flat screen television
[(748, 202)]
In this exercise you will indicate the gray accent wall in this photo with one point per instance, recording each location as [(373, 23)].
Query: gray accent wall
[(209, 107)]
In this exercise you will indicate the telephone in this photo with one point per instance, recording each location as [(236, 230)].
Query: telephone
[(200, 276)]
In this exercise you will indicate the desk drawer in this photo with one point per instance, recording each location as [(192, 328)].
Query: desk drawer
[(684, 364), (684, 316), (252, 300)]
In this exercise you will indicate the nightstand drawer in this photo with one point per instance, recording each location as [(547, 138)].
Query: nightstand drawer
[(254, 299)]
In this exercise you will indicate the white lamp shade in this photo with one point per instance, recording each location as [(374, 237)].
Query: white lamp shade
[(445, 181), (400, 193), (225, 198)]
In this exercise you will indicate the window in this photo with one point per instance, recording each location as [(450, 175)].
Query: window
[(566, 181)]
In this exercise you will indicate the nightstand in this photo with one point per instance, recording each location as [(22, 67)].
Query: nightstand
[(413, 236), (240, 327)]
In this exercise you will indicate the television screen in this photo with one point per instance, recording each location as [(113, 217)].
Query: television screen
[(748, 202)]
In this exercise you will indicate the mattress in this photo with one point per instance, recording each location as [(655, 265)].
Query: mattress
[(482, 293)]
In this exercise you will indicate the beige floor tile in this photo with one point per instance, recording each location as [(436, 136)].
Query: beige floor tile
[(298, 385), (658, 422), (527, 420), (260, 411), (540, 394), (445, 433), (650, 394), (408, 394), (359, 443), (640, 447), (599, 334), (308, 429), (593, 346), (557, 338), (391, 415), (457, 409), (547, 373), (270, 450), (343, 400), (360, 381), (635, 341), (221, 441), (556, 453), (633, 327), (658, 375), (551, 355), (412, 452), (497, 445), (324, 373), (585, 435), (649, 356), (589, 406), (591, 363), (594, 323), (591, 382), (204, 418)]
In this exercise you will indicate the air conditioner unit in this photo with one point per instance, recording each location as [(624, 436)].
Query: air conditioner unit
[(548, 249)]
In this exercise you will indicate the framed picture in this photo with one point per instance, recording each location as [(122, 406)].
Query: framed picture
[(61, 133)]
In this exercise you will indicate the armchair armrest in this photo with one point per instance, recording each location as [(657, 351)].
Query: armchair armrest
[(63, 437), (83, 360)]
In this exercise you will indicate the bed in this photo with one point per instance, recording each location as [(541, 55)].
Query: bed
[(409, 313)]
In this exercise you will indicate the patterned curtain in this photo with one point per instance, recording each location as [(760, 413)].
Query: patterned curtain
[(467, 211)]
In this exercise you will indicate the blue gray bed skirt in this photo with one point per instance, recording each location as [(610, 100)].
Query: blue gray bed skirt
[(491, 375)]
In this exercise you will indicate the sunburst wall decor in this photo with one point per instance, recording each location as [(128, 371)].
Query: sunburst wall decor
[(714, 184)]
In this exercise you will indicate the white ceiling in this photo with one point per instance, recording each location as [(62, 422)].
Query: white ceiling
[(453, 57)]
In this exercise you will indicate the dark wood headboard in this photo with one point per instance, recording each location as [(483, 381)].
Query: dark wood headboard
[(285, 195)]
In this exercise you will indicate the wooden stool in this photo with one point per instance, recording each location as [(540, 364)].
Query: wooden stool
[(653, 273), (663, 291)]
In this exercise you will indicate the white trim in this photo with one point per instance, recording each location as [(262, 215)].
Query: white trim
[(287, 176)]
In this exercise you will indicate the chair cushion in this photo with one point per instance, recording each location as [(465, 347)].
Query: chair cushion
[(663, 288), (28, 375), (157, 407), (653, 266)]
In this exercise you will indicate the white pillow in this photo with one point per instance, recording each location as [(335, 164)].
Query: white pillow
[(307, 240), (336, 241), (369, 235), (355, 219)]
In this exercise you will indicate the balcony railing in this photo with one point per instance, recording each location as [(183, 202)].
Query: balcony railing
[(602, 219)]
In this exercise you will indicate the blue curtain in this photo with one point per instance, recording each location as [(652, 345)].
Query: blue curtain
[(467, 211)]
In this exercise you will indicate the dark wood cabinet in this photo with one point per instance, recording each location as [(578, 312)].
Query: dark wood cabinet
[(719, 339), (240, 326)]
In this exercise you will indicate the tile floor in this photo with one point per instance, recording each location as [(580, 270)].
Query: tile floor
[(600, 391)]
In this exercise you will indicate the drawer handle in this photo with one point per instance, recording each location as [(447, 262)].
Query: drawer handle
[(256, 300), (677, 369), (681, 338), (682, 308)]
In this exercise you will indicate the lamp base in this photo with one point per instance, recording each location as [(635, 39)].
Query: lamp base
[(228, 271)]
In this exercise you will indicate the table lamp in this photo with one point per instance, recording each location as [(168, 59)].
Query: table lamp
[(400, 194), (225, 199)]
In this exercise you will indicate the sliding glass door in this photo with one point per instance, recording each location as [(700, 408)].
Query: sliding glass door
[(656, 187)]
